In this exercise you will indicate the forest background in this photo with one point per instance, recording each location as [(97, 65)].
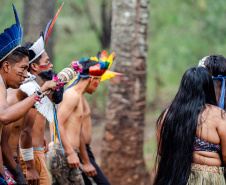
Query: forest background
[(180, 34)]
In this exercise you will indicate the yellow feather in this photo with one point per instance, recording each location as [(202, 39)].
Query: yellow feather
[(107, 75), (110, 59), (94, 58)]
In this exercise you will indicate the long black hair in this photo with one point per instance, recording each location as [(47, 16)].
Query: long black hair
[(178, 127)]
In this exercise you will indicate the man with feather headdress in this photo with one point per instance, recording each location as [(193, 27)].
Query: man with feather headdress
[(13, 71), (75, 124)]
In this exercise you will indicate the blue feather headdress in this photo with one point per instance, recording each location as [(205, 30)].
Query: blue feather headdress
[(11, 38)]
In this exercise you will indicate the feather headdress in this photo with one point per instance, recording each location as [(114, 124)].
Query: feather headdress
[(95, 66), (38, 46), (11, 38), (102, 70)]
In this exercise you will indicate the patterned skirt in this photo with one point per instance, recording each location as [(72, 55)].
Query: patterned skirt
[(206, 175)]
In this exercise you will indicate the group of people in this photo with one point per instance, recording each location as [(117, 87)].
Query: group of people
[(191, 131), (31, 92)]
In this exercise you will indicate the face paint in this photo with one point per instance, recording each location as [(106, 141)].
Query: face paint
[(45, 66), (20, 74), (95, 84)]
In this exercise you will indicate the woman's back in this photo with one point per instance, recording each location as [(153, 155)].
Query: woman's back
[(211, 125)]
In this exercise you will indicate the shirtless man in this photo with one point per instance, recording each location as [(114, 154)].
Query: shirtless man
[(86, 155), (32, 136), (11, 133), (13, 71), (64, 168)]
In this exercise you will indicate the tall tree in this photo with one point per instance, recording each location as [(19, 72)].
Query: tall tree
[(103, 33), (36, 16), (122, 152)]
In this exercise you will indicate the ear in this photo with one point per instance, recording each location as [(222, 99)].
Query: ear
[(34, 66), (6, 66)]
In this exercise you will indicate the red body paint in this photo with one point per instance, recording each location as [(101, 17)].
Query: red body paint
[(95, 84), (45, 66)]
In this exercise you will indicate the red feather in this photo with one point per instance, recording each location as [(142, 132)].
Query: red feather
[(122, 79), (51, 26)]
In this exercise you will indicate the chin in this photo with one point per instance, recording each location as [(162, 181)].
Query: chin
[(90, 92), (15, 86)]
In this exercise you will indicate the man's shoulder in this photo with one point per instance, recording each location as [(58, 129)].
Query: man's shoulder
[(71, 95), (16, 94)]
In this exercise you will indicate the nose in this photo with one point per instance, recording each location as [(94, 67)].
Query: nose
[(25, 75), (51, 65)]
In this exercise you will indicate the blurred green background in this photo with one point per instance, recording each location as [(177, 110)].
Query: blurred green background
[(180, 34)]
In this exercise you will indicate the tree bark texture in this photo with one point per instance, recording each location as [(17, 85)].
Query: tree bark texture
[(122, 150), (36, 16)]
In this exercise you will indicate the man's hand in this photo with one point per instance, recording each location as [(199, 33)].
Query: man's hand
[(89, 170), (52, 84), (46, 146), (73, 160), (32, 177)]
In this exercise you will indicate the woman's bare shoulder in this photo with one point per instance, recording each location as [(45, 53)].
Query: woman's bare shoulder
[(215, 112)]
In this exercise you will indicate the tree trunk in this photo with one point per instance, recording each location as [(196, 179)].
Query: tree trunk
[(122, 152), (36, 16)]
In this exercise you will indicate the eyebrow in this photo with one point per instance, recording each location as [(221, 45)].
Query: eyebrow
[(24, 65)]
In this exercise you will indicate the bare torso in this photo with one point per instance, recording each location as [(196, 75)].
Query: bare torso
[(15, 96), (38, 129), (74, 121), (87, 124)]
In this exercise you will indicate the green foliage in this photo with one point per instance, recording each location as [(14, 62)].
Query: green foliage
[(180, 34)]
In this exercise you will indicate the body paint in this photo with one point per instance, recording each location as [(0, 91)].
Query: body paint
[(20, 74), (45, 66), (95, 84)]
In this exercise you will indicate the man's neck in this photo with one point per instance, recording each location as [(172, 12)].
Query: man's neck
[(39, 81), (81, 86), (4, 79), (33, 72)]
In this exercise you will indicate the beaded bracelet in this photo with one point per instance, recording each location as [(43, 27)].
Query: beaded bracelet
[(40, 94)]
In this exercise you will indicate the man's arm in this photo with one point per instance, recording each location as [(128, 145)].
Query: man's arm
[(7, 153), (51, 134), (26, 143), (12, 113), (66, 107), (8, 157), (88, 168)]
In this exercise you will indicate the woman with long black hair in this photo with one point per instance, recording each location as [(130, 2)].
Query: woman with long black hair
[(191, 134)]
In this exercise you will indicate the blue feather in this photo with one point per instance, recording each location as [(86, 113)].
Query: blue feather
[(47, 28), (16, 15), (11, 37)]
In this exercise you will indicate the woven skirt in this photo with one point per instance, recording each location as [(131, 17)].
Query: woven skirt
[(206, 175)]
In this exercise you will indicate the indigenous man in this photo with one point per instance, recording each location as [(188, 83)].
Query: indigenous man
[(72, 112), (32, 136), (11, 133), (13, 71)]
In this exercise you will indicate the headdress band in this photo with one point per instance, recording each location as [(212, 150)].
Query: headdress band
[(10, 52), (221, 102)]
